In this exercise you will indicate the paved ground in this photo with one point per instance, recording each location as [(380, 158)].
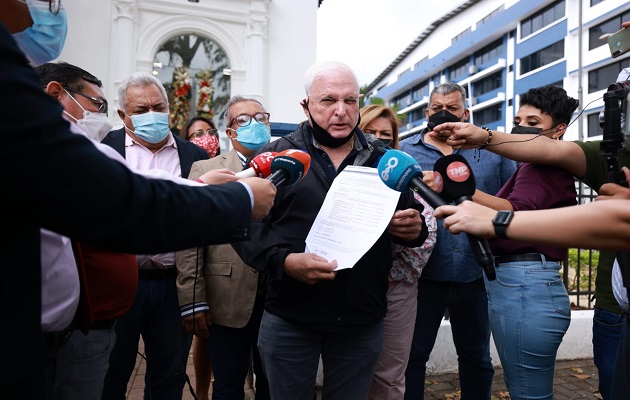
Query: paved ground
[(575, 379)]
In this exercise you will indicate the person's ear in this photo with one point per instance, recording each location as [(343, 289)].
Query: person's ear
[(559, 131), (304, 104), (466, 115), (54, 89), (121, 114)]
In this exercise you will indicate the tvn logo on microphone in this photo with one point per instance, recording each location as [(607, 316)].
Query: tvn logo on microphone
[(458, 171)]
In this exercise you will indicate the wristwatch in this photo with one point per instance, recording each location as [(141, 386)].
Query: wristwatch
[(501, 222)]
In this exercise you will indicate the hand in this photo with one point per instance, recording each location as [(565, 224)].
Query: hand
[(264, 194), (405, 224), (460, 135), (614, 191), (309, 268), (428, 177), (218, 176), (468, 217), (198, 323)]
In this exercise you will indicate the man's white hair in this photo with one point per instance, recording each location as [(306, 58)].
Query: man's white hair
[(138, 79), (321, 69)]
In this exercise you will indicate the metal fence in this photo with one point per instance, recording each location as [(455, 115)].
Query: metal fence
[(580, 267)]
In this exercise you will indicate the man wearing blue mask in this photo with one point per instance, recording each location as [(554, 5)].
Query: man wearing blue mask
[(80, 197), (226, 305), (146, 142)]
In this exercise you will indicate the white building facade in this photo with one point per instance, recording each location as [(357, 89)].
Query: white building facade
[(268, 45), (498, 49)]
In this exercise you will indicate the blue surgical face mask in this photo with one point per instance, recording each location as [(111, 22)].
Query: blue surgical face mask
[(254, 136), (43, 41), (151, 127)]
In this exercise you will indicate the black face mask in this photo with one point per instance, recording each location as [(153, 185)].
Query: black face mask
[(387, 142), (322, 136), (444, 116), (526, 130)]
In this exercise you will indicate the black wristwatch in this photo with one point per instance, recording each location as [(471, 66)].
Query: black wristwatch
[(501, 222)]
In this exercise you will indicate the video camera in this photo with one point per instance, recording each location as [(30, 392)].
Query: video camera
[(616, 99)]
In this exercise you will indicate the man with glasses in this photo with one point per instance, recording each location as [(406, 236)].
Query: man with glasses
[(222, 298), (83, 360), (146, 142)]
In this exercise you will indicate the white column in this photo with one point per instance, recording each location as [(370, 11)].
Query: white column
[(123, 45), (255, 44)]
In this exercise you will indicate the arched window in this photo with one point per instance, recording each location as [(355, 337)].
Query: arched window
[(195, 72)]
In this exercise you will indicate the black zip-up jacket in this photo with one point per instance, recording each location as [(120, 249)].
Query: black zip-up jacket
[(357, 295)]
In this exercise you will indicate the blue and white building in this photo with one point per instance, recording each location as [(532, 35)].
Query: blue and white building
[(498, 49)]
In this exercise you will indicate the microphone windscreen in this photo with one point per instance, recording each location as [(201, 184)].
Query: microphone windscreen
[(294, 163), (456, 176), (262, 163), (397, 168)]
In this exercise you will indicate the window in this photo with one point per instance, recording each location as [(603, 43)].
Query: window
[(403, 100), (459, 69), (542, 57), (488, 84), (593, 2), (489, 53), (542, 18), (601, 78), (593, 127), (609, 26), (420, 91), (488, 115)]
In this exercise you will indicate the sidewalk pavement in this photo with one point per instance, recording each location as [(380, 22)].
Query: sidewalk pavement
[(574, 379)]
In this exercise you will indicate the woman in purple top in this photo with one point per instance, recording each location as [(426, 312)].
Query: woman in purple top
[(528, 304)]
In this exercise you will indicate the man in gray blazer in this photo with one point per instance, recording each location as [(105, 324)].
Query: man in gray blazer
[(222, 298)]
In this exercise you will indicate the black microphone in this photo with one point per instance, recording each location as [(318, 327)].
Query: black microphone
[(458, 185), (289, 167)]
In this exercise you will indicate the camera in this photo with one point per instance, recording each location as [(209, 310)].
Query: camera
[(615, 101)]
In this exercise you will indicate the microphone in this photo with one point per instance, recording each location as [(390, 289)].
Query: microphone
[(289, 167), (430, 126), (458, 185), (259, 166), (399, 171)]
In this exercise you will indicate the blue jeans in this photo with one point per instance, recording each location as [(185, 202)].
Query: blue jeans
[(607, 327), (82, 364), (467, 304), (290, 355), (155, 315), (621, 377), (229, 350), (529, 312)]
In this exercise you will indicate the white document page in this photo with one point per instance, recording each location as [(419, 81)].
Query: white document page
[(355, 213)]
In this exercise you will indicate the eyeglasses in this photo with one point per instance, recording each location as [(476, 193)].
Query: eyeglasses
[(53, 5), (101, 104), (246, 119), (201, 133)]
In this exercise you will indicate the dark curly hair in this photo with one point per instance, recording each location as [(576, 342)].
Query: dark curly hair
[(553, 101)]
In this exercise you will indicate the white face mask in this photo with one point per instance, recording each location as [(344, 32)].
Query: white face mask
[(95, 125)]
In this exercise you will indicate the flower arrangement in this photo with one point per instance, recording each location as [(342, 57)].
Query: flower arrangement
[(204, 94), (181, 93)]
